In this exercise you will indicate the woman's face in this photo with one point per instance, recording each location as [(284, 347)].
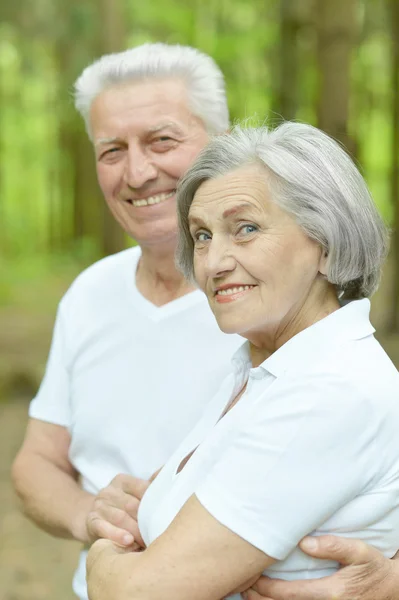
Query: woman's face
[(257, 267)]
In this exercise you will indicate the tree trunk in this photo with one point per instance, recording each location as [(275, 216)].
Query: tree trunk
[(3, 224), (89, 204), (394, 312), (112, 37), (286, 94), (336, 35)]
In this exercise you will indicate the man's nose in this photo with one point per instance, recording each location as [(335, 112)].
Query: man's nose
[(139, 169)]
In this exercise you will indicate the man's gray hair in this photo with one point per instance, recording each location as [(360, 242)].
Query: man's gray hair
[(201, 75), (311, 177)]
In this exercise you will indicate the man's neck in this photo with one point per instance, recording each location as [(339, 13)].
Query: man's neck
[(157, 278)]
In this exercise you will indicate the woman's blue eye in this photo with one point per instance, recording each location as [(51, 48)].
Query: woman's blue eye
[(202, 236), (248, 229)]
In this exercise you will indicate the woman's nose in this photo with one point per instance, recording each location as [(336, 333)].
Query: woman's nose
[(219, 259)]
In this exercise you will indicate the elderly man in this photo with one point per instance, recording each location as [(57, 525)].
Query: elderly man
[(130, 366)]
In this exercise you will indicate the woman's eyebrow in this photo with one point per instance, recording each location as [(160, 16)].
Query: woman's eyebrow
[(237, 209), (193, 220), (244, 206)]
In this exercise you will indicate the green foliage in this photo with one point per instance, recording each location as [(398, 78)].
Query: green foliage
[(44, 46)]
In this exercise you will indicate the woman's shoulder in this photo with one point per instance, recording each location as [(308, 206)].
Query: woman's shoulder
[(367, 368), (351, 378), (360, 365)]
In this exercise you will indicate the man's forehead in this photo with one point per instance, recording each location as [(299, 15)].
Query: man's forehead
[(142, 108), (169, 95)]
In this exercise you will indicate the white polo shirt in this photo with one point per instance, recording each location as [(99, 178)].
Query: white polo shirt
[(312, 447)]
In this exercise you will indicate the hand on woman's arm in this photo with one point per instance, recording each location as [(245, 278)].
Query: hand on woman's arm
[(196, 558), (113, 514), (366, 575)]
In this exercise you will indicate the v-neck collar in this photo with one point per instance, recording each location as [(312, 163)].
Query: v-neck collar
[(150, 310)]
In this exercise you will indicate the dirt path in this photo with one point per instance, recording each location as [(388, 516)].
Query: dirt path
[(33, 565)]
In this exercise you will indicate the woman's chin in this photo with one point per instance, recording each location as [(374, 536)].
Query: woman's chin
[(229, 326)]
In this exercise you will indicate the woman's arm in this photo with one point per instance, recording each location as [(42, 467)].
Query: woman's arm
[(196, 558)]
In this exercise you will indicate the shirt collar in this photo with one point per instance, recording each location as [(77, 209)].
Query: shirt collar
[(351, 322)]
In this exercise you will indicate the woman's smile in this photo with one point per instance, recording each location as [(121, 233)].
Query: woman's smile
[(232, 291)]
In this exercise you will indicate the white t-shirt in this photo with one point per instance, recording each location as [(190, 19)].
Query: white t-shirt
[(127, 378), (312, 446)]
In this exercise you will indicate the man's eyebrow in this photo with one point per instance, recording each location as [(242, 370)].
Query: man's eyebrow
[(155, 129), (169, 125), (103, 141)]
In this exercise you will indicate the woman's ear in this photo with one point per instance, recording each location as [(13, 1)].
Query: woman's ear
[(323, 263)]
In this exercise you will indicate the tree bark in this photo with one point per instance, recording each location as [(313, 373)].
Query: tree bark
[(286, 103), (336, 24), (3, 224), (112, 36), (394, 17)]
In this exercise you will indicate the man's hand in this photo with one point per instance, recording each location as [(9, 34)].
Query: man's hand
[(114, 511), (366, 575)]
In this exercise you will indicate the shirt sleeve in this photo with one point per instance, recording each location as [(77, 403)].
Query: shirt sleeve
[(52, 402), (304, 451)]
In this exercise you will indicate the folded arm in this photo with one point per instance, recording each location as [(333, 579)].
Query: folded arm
[(196, 558)]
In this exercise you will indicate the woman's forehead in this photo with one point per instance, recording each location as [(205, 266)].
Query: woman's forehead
[(237, 191)]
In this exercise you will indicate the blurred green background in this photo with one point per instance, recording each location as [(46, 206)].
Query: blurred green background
[(333, 63)]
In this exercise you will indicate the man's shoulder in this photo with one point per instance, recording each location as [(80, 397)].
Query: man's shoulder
[(103, 275)]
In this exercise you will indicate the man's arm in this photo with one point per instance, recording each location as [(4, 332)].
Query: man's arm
[(47, 483), (51, 495), (366, 575)]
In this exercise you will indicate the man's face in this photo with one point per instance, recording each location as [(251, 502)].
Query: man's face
[(145, 138)]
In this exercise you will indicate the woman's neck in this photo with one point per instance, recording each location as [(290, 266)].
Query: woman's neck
[(316, 307)]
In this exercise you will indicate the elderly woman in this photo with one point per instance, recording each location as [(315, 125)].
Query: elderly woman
[(278, 229)]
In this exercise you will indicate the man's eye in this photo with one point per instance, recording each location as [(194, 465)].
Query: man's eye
[(163, 142), (163, 139), (110, 151)]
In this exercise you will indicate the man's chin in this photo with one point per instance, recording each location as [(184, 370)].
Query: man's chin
[(165, 241)]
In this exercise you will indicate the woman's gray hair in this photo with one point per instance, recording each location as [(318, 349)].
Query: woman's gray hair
[(311, 177), (198, 71)]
